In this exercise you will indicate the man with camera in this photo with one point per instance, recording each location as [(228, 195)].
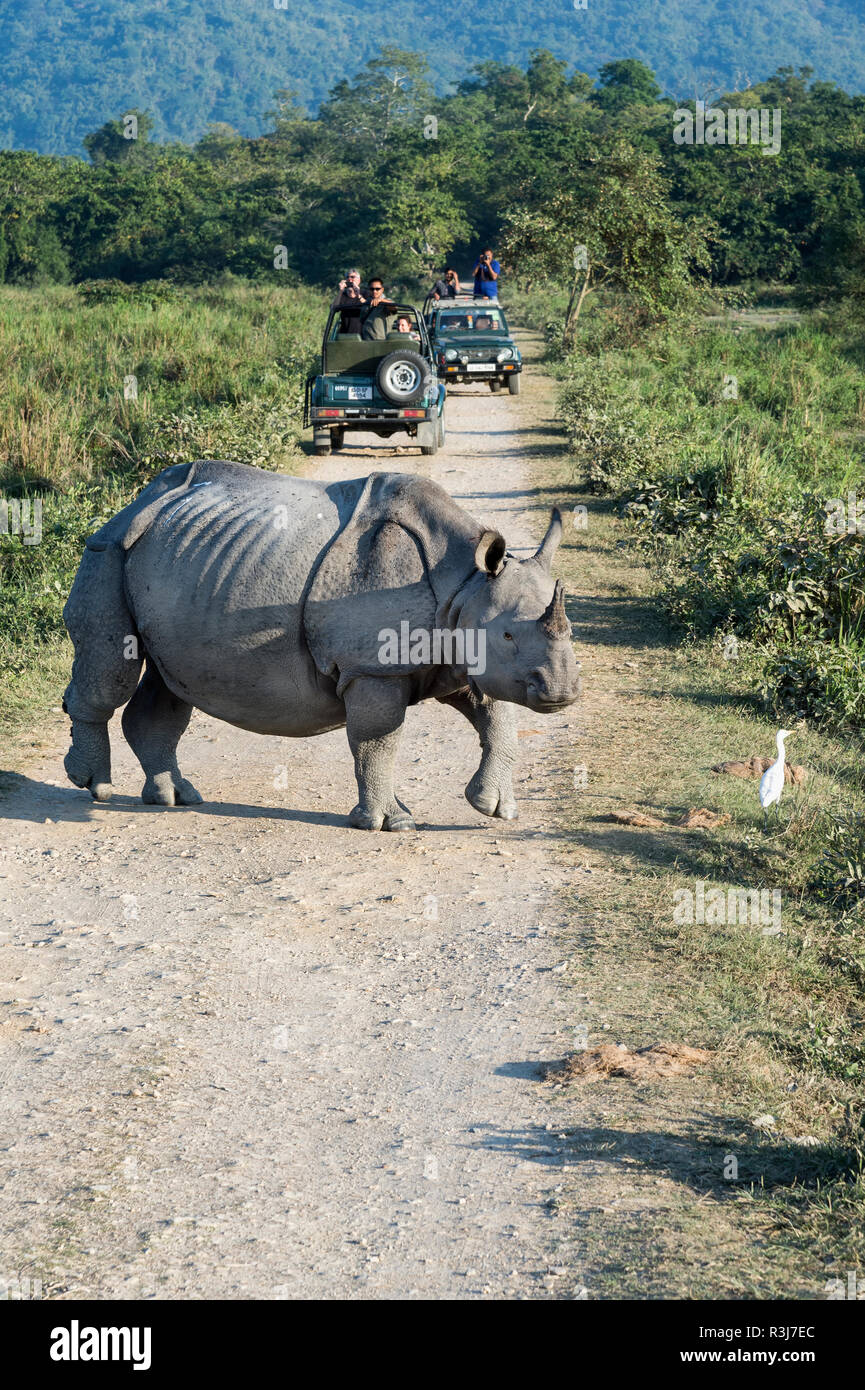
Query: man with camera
[(351, 300), (486, 274)]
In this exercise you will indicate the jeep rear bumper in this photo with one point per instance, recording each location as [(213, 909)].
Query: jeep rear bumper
[(360, 416)]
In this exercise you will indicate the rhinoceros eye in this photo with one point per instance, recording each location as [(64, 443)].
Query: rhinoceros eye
[(508, 637)]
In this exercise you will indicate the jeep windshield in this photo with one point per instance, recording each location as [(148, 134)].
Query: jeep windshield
[(471, 321)]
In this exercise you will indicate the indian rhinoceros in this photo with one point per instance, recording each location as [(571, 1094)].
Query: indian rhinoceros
[(264, 600)]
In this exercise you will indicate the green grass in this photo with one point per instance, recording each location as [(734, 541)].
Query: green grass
[(219, 373)]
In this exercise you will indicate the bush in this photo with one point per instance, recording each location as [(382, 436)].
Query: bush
[(730, 492)]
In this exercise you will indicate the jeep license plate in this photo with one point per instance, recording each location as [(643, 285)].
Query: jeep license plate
[(480, 366), (352, 393)]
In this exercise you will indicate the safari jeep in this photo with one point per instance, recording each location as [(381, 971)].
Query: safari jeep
[(385, 386), (471, 342)]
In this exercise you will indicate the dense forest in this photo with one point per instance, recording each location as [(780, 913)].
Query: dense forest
[(393, 176), (72, 64)]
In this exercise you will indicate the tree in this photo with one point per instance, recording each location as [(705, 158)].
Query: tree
[(414, 215), (548, 87), (221, 144), (392, 91), (626, 82), (33, 192), (611, 225), (124, 141)]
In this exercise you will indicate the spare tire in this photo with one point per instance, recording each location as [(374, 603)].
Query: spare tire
[(403, 376)]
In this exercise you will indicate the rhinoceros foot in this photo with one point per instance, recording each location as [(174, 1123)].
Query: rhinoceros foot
[(80, 774), (361, 818), (168, 789), (491, 800)]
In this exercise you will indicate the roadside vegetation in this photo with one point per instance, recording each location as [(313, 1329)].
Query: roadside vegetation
[(714, 606)]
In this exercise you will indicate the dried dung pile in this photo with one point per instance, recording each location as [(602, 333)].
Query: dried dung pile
[(756, 766), (645, 1064)]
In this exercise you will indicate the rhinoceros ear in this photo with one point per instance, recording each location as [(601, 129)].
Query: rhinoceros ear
[(549, 545), (490, 552)]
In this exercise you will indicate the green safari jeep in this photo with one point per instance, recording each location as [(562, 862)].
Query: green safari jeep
[(471, 341), (387, 385)]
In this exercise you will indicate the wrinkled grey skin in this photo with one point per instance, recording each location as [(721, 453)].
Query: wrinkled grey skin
[(260, 598)]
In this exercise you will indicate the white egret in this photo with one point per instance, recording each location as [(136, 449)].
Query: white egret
[(772, 781)]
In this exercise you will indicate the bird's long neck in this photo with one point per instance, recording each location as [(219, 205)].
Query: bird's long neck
[(779, 743)]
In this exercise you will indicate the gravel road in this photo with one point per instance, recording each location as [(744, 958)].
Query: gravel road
[(246, 1052)]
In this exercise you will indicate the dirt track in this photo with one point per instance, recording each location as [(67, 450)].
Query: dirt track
[(248, 1052)]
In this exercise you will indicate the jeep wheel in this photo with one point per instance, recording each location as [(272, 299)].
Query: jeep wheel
[(403, 377), (496, 385), (321, 442), (337, 437), (514, 385)]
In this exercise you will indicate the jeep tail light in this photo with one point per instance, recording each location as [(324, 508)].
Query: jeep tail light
[(330, 412), (413, 414)]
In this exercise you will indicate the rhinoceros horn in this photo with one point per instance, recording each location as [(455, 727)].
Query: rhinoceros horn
[(554, 619)]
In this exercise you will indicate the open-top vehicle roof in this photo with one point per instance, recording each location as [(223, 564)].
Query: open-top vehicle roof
[(332, 332), (398, 307), (461, 301)]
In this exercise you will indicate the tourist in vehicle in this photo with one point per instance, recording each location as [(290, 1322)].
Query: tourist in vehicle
[(375, 314), (448, 287), (404, 325), (351, 281), (484, 323), (486, 274), (351, 301)]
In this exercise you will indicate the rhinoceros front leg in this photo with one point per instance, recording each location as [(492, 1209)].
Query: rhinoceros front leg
[(491, 790), (88, 762), (375, 710)]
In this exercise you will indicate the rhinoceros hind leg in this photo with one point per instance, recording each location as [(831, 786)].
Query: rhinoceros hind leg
[(88, 762), (153, 723), (375, 709)]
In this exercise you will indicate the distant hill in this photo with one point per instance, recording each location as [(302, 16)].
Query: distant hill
[(69, 65)]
